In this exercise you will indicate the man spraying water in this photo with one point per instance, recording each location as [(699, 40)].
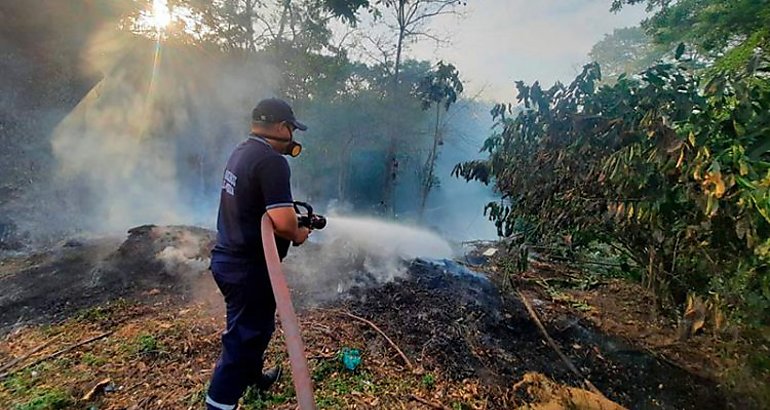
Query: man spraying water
[(256, 181)]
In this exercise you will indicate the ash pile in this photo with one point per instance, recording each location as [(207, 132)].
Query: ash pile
[(52, 284)]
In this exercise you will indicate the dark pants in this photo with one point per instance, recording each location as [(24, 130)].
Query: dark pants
[(250, 323)]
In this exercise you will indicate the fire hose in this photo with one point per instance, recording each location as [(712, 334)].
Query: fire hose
[(299, 369)]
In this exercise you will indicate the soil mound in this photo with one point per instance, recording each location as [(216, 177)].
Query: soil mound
[(53, 284)]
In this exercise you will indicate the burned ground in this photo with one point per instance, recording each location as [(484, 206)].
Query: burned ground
[(468, 340), (79, 273), (459, 325)]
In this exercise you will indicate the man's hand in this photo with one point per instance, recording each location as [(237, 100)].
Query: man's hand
[(285, 224), (302, 234)]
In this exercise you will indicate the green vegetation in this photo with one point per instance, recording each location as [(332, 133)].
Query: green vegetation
[(94, 314), (102, 313), (53, 399), (625, 51), (721, 35), (146, 344), (37, 397), (19, 383), (428, 380), (671, 172), (334, 386), (255, 400), (665, 173), (441, 88), (93, 360)]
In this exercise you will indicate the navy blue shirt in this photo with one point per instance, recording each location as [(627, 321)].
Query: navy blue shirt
[(256, 179)]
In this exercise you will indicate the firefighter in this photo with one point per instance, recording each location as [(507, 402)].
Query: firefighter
[(255, 182)]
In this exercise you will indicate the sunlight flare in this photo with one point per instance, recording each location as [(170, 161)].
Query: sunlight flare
[(161, 15)]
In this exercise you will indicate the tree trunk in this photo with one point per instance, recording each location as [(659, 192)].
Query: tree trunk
[(391, 162), (282, 23), (391, 169), (399, 50), (344, 169), (342, 178), (250, 41), (431, 163)]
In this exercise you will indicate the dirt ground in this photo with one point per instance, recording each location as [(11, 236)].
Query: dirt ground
[(155, 318)]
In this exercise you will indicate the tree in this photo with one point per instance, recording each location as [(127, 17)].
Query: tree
[(626, 51), (669, 168), (408, 20), (440, 87), (252, 25), (294, 37), (731, 32)]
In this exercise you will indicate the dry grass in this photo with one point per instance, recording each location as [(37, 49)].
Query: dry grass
[(161, 356)]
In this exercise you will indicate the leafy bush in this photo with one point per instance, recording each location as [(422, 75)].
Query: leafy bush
[(669, 166)]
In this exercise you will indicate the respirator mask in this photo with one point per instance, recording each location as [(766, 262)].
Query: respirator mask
[(293, 148)]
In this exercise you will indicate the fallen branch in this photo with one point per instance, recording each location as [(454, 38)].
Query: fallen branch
[(690, 369), (96, 389), (428, 403), (32, 352), (323, 356), (131, 377), (555, 347), (478, 242), (393, 344), (58, 353), (584, 262)]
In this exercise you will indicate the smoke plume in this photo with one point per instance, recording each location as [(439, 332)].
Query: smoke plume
[(147, 144)]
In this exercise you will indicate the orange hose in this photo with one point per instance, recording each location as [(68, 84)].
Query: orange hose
[(299, 370)]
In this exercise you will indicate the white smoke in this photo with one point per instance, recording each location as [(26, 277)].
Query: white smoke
[(147, 144), (186, 254)]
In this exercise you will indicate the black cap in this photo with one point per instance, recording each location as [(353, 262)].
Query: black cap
[(275, 110)]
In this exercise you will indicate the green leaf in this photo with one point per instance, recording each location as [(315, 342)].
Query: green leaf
[(745, 183), (712, 206), (679, 51)]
